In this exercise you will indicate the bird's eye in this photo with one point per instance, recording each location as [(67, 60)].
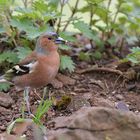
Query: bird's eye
[(49, 38)]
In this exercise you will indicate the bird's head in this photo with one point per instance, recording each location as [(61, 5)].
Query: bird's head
[(48, 42)]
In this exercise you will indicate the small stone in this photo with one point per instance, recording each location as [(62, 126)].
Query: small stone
[(103, 102), (122, 106), (5, 100), (119, 97), (2, 128)]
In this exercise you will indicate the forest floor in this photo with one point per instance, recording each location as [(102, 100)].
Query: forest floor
[(87, 86)]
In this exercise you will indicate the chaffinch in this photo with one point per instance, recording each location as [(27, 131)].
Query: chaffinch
[(40, 67)]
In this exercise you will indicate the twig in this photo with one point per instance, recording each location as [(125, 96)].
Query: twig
[(73, 13), (59, 22), (116, 82), (121, 45), (93, 69), (107, 15), (115, 17), (90, 22), (25, 2)]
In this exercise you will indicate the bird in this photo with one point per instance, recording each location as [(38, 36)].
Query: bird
[(37, 69)]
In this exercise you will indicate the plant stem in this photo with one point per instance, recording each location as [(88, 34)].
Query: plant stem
[(121, 45), (107, 18), (59, 22), (72, 14), (92, 12), (25, 2), (114, 20)]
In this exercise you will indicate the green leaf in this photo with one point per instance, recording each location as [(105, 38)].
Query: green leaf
[(64, 47), (135, 49), (134, 57), (2, 30), (23, 52), (11, 126), (97, 55), (84, 28), (67, 63), (22, 24), (102, 12), (8, 56), (4, 86), (95, 1), (27, 26), (41, 110), (112, 40), (67, 36), (84, 56)]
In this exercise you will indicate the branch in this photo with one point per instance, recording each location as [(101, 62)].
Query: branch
[(73, 13), (59, 22)]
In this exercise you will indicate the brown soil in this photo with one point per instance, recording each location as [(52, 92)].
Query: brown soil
[(89, 89)]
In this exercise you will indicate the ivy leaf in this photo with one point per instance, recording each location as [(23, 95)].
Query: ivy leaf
[(67, 63)]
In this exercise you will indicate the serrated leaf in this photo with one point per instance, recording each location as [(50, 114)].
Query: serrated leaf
[(2, 30), (67, 63), (67, 36), (95, 1), (97, 55), (84, 56), (4, 86), (102, 13), (134, 57), (64, 47), (84, 28), (23, 52), (135, 49), (22, 24), (9, 57), (112, 40)]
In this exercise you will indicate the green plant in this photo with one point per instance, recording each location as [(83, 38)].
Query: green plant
[(21, 25), (41, 110), (134, 56)]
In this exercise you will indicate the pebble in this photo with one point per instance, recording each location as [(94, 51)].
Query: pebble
[(2, 128), (119, 97), (5, 100)]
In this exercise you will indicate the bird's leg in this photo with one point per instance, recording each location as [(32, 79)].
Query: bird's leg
[(26, 98)]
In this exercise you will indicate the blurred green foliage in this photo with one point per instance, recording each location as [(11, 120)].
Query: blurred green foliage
[(21, 22), (134, 56)]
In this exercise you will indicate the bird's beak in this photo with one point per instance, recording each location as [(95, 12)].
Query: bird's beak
[(60, 40)]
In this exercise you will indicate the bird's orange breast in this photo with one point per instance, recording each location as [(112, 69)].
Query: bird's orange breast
[(43, 73)]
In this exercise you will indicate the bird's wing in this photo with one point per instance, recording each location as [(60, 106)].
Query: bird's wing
[(30, 58), (21, 69)]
